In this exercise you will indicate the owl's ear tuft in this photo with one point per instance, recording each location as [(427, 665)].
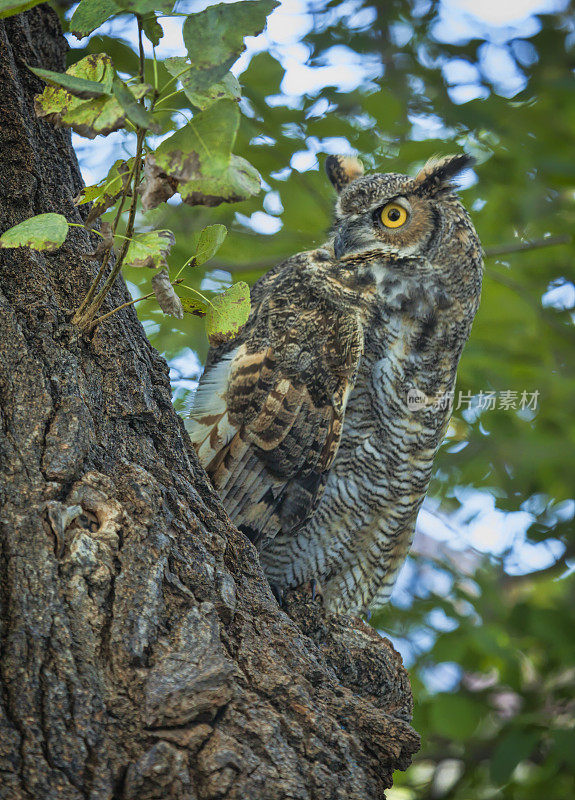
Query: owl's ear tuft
[(342, 170), (438, 172)]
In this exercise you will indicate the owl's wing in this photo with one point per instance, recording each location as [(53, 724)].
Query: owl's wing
[(267, 418)]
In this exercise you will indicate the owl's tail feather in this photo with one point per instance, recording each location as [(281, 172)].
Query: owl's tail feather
[(249, 492)]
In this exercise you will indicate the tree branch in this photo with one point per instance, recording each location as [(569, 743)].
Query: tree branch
[(490, 252), (518, 247)]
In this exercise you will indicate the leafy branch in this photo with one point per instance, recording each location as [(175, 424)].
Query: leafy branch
[(196, 160)]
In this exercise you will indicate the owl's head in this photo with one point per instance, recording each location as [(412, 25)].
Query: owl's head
[(400, 216)]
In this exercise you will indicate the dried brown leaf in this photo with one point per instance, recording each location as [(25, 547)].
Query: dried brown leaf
[(156, 187), (167, 299)]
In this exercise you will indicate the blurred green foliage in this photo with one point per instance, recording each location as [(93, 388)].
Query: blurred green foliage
[(491, 651)]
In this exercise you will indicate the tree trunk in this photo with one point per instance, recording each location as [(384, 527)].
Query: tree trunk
[(142, 654)]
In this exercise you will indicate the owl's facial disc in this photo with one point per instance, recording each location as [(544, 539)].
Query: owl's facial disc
[(400, 226)]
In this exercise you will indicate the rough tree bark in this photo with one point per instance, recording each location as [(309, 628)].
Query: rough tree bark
[(142, 654)]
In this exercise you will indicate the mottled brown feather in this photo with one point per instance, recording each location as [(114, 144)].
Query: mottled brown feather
[(285, 395)]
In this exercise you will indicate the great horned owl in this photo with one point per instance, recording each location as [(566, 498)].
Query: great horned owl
[(304, 422)]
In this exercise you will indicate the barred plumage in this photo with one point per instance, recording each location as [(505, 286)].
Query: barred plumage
[(303, 422)]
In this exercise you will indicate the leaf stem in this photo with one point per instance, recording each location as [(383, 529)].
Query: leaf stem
[(141, 49), (93, 288), (126, 305), (99, 299), (174, 111), (167, 97), (196, 291), (182, 268), (84, 316), (175, 77), (79, 225), (119, 308), (155, 72)]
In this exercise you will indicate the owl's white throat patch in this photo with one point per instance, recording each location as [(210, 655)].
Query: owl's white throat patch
[(416, 293)]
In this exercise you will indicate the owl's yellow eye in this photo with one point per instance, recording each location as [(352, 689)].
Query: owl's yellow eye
[(393, 215)]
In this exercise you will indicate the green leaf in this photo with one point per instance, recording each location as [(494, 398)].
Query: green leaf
[(107, 187), (43, 232), (153, 29), (214, 38), (101, 115), (209, 242), (149, 249), (134, 110), (141, 7), (167, 298), (8, 8), (95, 68), (105, 193), (228, 312), (238, 182), (194, 305), (89, 15), (78, 87), (198, 157), (514, 747), (203, 146), (455, 716), (227, 88)]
